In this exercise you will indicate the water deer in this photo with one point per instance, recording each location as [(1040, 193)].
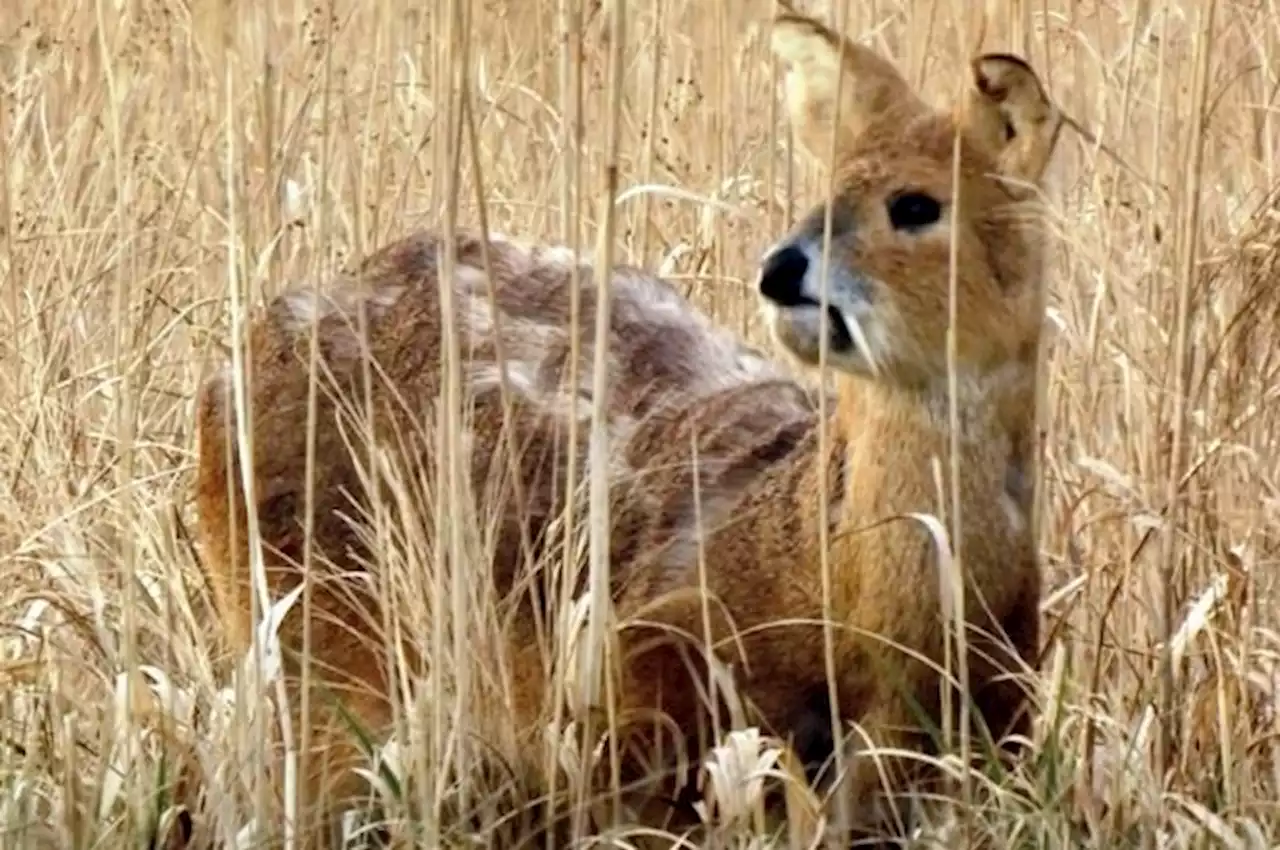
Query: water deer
[(716, 462)]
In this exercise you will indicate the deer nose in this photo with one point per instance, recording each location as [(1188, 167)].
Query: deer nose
[(782, 277)]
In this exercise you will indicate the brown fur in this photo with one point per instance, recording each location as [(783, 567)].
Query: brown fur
[(677, 383)]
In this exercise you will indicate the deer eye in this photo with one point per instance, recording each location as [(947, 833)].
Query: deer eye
[(913, 211)]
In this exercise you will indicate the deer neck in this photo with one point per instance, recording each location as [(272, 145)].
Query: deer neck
[(897, 450), (992, 406)]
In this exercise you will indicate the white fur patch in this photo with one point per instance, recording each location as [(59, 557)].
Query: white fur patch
[(712, 513), (540, 253), (1013, 513), (301, 307)]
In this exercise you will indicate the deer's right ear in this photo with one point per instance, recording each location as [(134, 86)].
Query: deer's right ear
[(819, 63), (1007, 109)]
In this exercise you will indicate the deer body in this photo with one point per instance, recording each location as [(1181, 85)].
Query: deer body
[(715, 468)]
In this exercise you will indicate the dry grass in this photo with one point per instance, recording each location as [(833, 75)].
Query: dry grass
[(160, 156)]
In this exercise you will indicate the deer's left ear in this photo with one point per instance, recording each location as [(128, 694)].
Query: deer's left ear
[(1006, 109), (819, 63)]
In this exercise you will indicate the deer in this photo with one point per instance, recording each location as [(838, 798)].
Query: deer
[(719, 454)]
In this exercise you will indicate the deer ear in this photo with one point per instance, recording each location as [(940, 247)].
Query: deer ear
[(1007, 110), (820, 62)]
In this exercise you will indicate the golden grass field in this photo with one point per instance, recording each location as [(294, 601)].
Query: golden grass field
[(165, 163)]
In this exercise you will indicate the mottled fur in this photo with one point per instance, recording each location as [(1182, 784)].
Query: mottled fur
[(679, 384)]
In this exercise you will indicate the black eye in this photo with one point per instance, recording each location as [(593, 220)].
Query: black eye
[(913, 211), (1009, 132)]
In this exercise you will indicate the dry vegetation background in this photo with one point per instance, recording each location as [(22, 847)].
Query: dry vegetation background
[(161, 156)]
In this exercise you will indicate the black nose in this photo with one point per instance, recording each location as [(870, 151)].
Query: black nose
[(782, 277)]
